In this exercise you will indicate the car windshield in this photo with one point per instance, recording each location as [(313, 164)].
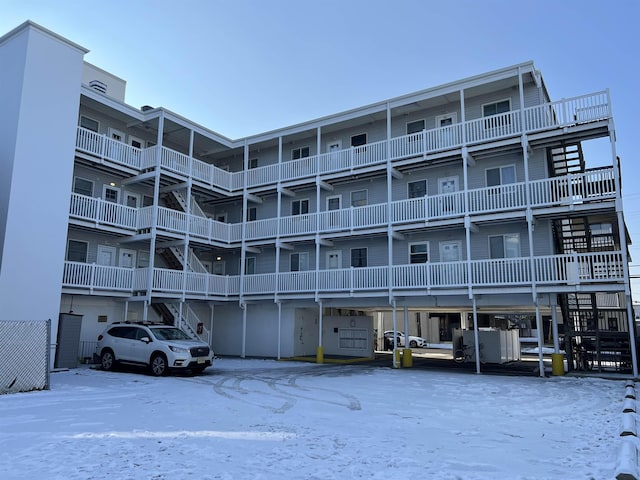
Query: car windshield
[(169, 333)]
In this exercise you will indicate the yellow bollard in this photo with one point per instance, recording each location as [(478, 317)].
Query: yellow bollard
[(396, 354), (320, 354), (557, 364), (407, 359)]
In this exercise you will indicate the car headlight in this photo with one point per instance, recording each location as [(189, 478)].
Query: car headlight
[(178, 349)]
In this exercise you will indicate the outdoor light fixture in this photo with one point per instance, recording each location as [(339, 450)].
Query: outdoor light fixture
[(113, 184), (218, 258)]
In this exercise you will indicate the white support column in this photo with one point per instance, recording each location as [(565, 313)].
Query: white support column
[(154, 214), (179, 322), (395, 334), (279, 329), (185, 250), (406, 326), (210, 339), (320, 349), (389, 219), (467, 218), (278, 247), (540, 342), (244, 330), (243, 247), (554, 329), (476, 339)]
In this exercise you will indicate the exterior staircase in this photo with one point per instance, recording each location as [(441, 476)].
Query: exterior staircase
[(170, 314), (177, 201), (596, 332)]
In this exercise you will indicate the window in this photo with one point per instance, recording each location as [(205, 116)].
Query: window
[(496, 108), (89, 123), (504, 246), (82, 186), (301, 152), (77, 251), (501, 175), (358, 140), (250, 265), (358, 257), (415, 127), (111, 194), (491, 109), (358, 198), (251, 214), (299, 207), (253, 163), (147, 201), (419, 252), (417, 189), (298, 262)]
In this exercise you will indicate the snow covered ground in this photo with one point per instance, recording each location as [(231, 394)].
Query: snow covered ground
[(263, 419)]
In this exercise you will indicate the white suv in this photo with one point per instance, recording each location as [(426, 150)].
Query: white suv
[(159, 347)]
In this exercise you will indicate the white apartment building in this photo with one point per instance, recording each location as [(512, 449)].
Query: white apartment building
[(461, 205)]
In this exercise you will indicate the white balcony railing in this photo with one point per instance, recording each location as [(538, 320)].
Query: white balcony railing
[(572, 189), (561, 270), (554, 115)]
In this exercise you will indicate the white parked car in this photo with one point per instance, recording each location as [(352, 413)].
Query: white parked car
[(414, 342), (159, 347)]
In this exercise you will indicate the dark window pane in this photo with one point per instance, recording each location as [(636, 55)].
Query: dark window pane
[(358, 140)]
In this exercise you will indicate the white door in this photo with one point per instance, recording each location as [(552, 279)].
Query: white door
[(127, 258), (131, 199), (334, 147), (334, 204), (446, 135), (106, 255), (334, 259), (448, 203), (450, 251)]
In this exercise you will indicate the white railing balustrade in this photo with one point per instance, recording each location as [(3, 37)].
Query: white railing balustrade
[(166, 280), (298, 224), (97, 277), (448, 274), (498, 198), (172, 220), (103, 212), (501, 271), (267, 228), (296, 282), (493, 127), (90, 142), (443, 138), (259, 283), (411, 145), (334, 161), (445, 205)]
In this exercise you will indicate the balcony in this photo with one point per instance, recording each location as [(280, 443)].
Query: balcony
[(550, 116), (567, 191), (600, 270)]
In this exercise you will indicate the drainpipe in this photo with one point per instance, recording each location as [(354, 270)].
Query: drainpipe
[(243, 306)]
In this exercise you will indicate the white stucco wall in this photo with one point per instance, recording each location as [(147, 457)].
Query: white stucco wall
[(40, 78)]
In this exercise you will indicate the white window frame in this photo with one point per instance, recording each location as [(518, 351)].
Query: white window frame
[(426, 186), (366, 197), (121, 134), (248, 260), (410, 253), (299, 149), (91, 119), (253, 163), (136, 196), (452, 115), (500, 168), (366, 140), (504, 245), (366, 256), (137, 140), (300, 202), (106, 187), (142, 260), (250, 211), (303, 261), (424, 126), (333, 197), (495, 102), (133, 253), (75, 178), (106, 248), (441, 246), (221, 217), (86, 253), (144, 200)]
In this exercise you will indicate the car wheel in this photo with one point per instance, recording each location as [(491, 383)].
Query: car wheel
[(158, 365), (413, 343), (107, 360)]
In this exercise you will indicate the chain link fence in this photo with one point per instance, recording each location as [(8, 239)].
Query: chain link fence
[(24, 355)]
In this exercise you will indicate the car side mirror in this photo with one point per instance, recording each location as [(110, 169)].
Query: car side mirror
[(145, 340)]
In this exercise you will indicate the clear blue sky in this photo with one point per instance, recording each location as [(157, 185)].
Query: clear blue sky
[(242, 67)]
